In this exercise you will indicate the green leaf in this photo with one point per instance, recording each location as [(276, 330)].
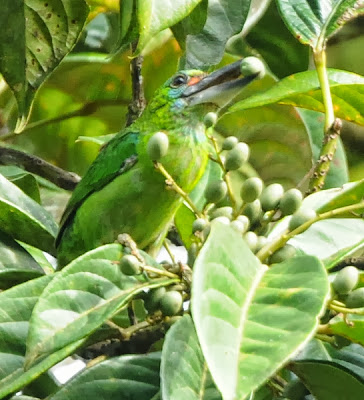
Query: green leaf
[(303, 90), (350, 357), (338, 173), (282, 52), (343, 254), (36, 35), (184, 371), (312, 21), (224, 19), (133, 377), (16, 264), (329, 382), (82, 296), (24, 219), (251, 320), (327, 237), (352, 328), (155, 16)]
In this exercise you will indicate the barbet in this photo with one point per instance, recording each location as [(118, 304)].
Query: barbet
[(122, 192)]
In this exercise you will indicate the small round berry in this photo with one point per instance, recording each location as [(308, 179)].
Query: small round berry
[(253, 211), (229, 143), (130, 265), (237, 156), (171, 303), (157, 146), (355, 298), (346, 280), (151, 302), (210, 119), (252, 66), (251, 189), (291, 201), (199, 225), (282, 254), (300, 217), (251, 240), (215, 191), (222, 212), (271, 196)]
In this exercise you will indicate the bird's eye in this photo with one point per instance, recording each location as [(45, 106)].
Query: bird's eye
[(178, 81)]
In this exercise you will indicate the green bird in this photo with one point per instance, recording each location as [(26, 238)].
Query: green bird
[(122, 192)]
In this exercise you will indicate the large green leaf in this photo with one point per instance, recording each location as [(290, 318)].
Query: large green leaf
[(327, 381), (82, 296), (184, 372), (311, 21), (126, 377), (16, 264), (24, 219), (352, 328), (36, 35), (303, 90), (154, 16), (224, 19), (251, 320)]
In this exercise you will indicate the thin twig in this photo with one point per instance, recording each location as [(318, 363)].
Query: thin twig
[(85, 110), (61, 178), (138, 102)]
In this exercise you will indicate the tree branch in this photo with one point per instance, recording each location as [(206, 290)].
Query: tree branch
[(61, 178)]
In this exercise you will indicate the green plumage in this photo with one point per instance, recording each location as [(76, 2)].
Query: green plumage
[(122, 192)]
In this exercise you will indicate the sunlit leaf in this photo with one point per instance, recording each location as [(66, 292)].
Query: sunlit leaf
[(261, 311)]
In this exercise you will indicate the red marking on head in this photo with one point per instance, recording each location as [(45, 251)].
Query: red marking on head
[(194, 80)]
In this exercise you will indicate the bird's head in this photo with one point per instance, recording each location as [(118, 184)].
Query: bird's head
[(196, 90)]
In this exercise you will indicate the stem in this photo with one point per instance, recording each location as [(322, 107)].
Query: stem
[(138, 102), (148, 268), (85, 110), (266, 251), (169, 251), (61, 178), (332, 127), (345, 310), (174, 186)]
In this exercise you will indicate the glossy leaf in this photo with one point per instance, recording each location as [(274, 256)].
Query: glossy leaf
[(224, 19), (327, 237), (155, 16), (16, 264), (343, 254), (85, 294), (352, 329), (260, 311), (351, 357), (184, 372), (24, 219), (313, 20), (303, 90), (133, 377), (280, 50), (329, 382), (36, 35), (338, 173)]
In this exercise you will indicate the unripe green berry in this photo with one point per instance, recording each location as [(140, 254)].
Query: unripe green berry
[(239, 226), (210, 119), (223, 220), (151, 302), (199, 225), (157, 146), (291, 201), (222, 212), (252, 66), (244, 220), (236, 157), (130, 265), (192, 254), (262, 241), (251, 240), (271, 196), (215, 191), (253, 211), (355, 298), (300, 217), (171, 303), (282, 254), (229, 143), (346, 280), (251, 189)]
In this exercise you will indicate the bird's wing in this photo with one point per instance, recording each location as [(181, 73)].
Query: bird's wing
[(118, 156)]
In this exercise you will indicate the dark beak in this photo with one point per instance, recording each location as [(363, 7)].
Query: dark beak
[(219, 87)]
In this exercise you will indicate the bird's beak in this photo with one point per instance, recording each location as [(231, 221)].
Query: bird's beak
[(220, 87)]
